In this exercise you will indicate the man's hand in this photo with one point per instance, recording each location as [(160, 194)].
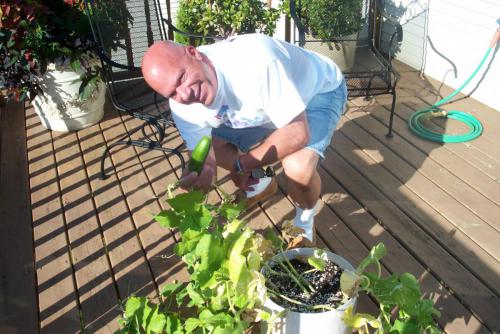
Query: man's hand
[(203, 181), (243, 181)]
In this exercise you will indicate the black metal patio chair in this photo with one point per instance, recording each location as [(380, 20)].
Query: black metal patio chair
[(123, 30), (369, 73)]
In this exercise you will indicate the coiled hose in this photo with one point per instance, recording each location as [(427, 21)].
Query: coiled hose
[(417, 119)]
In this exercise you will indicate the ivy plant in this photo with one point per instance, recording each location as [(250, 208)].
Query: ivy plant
[(225, 287)]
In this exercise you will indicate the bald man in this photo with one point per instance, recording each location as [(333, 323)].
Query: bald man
[(262, 100)]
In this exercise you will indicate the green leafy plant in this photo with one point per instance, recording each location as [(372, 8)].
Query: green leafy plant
[(331, 19), (34, 34), (403, 310), (223, 257), (225, 17)]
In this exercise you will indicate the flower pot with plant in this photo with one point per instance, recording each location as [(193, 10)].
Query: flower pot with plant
[(303, 288), (307, 291), (330, 27), (46, 55), (225, 18)]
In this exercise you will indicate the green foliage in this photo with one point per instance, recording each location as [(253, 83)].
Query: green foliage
[(225, 287), (398, 294), (330, 19), (36, 33), (225, 18)]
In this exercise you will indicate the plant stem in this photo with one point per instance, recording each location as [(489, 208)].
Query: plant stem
[(294, 278), (171, 187), (309, 271), (274, 272), (231, 306), (277, 294), (299, 276)]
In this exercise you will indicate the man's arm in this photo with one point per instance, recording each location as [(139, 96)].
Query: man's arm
[(282, 142)]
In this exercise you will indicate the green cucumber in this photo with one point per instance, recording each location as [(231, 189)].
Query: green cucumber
[(199, 154)]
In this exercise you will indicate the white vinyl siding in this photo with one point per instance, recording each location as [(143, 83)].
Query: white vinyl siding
[(459, 30)]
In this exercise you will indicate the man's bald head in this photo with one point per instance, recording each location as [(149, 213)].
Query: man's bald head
[(158, 61), (179, 72)]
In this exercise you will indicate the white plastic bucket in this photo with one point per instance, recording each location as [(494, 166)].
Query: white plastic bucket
[(329, 322)]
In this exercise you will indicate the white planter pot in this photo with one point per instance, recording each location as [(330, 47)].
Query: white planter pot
[(60, 109), (329, 322)]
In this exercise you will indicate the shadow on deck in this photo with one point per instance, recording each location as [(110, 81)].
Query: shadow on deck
[(73, 246)]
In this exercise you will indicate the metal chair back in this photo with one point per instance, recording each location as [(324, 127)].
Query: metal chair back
[(123, 30), (368, 72)]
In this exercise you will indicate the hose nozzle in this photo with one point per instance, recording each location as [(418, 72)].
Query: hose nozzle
[(496, 36), (438, 113)]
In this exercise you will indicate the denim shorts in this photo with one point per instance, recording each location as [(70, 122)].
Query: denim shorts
[(323, 113)]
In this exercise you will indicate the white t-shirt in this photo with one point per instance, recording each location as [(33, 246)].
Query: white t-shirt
[(260, 80)]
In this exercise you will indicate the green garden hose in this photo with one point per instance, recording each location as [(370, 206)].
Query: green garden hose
[(416, 121)]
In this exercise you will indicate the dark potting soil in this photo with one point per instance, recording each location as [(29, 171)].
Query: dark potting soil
[(325, 283)]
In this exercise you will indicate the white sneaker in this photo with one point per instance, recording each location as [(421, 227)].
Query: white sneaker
[(304, 219), (259, 187), (262, 190)]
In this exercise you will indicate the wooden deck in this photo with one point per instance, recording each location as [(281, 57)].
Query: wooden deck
[(72, 246)]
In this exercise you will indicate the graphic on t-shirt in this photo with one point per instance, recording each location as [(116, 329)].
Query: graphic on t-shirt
[(236, 119), (222, 113)]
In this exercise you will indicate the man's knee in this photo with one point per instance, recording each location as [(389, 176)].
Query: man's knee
[(300, 167)]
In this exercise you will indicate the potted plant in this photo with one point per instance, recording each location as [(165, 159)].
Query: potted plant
[(238, 278), (303, 289), (310, 288), (46, 55), (225, 18), (225, 289), (330, 27)]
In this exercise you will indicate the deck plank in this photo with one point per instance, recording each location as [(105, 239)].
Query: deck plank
[(444, 175), (459, 159), (438, 178), (57, 296), (343, 156), (94, 277), (130, 267), (18, 295), (361, 222), (453, 201), (157, 242)]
